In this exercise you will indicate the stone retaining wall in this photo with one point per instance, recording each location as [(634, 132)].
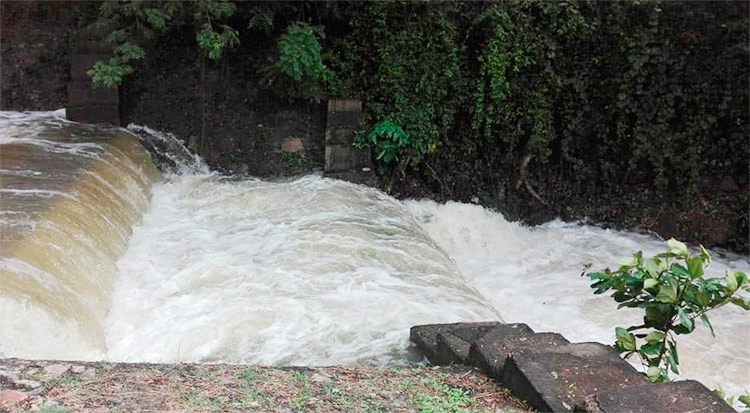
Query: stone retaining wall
[(554, 375)]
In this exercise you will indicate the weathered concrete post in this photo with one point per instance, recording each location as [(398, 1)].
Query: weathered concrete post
[(342, 160), (86, 103)]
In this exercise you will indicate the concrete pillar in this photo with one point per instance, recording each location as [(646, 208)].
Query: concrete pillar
[(342, 159), (85, 102)]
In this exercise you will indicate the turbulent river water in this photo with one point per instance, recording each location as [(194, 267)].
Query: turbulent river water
[(104, 259)]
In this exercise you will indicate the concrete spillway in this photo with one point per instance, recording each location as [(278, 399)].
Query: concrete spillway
[(70, 195)]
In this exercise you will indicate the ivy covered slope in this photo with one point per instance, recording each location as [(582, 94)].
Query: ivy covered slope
[(629, 113), (633, 113)]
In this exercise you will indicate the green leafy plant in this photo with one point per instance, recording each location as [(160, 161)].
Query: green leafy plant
[(388, 140), (299, 71), (127, 21), (673, 291), (293, 159)]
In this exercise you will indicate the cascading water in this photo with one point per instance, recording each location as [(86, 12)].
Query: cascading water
[(315, 271), (70, 194)]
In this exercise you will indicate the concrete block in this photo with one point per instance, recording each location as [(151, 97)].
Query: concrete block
[(338, 158), (81, 93), (94, 114), (677, 396), (557, 378), (455, 344), (489, 352), (425, 337), (82, 63)]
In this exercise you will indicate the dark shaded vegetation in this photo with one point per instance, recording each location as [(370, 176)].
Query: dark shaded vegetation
[(633, 114)]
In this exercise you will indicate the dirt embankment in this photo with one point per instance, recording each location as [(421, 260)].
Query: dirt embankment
[(97, 387)]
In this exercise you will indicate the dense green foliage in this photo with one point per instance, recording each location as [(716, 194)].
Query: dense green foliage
[(299, 72), (388, 139), (581, 98), (129, 22), (673, 291)]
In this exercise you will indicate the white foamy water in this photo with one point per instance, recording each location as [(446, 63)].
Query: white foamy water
[(532, 275), (309, 272)]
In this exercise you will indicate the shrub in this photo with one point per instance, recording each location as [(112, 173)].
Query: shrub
[(299, 72), (673, 291)]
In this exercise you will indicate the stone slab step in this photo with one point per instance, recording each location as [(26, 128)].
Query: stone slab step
[(677, 396), (425, 337), (557, 378), (489, 352), (456, 344)]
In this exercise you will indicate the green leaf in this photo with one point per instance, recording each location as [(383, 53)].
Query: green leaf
[(707, 323), (745, 399), (685, 320), (695, 266), (743, 302), (654, 266), (668, 292), (679, 270), (628, 262), (652, 349), (731, 282), (654, 336), (625, 339), (677, 247), (653, 373), (673, 357), (649, 283), (704, 254)]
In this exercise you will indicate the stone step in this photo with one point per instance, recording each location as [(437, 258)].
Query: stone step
[(677, 396), (425, 338), (456, 344), (489, 352), (559, 377)]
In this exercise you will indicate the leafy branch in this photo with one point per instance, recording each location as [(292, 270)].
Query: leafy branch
[(673, 291)]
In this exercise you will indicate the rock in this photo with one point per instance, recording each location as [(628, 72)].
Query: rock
[(7, 378), (455, 344), (557, 378), (320, 377), (727, 184), (29, 384), (490, 351), (89, 373), (78, 369), (56, 370), (32, 371), (677, 396), (292, 145), (9, 397), (425, 337), (8, 375)]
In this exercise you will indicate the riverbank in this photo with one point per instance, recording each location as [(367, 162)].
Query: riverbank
[(54, 386), (250, 131)]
